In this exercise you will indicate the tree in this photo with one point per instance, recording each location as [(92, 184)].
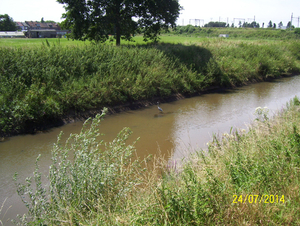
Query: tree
[(215, 24), (49, 21), (240, 23), (7, 23), (254, 24), (96, 19), (42, 20), (270, 24), (274, 26), (280, 25)]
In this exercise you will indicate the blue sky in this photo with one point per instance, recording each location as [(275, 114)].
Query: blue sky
[(215, 10)]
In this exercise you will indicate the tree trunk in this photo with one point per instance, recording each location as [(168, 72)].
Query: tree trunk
[(117, 24), (118, 34)]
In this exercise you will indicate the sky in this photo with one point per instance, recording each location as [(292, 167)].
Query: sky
[(207, 10)]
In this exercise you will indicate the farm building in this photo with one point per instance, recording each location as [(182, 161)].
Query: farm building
[(41, 33), (62, 33)]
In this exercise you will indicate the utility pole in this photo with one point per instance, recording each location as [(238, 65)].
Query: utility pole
[(253, 19), (240, 19), (197, 20), (291, 22)]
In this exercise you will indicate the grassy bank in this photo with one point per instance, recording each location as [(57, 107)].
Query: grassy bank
[(39, 84), (245, 178), (240, 33)]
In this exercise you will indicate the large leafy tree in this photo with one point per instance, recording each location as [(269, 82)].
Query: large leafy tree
[(96, 19), (7, 23)]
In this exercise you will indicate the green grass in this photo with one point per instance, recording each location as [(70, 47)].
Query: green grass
[(101, 185), (33, 42), (40, 83), (238, 33)]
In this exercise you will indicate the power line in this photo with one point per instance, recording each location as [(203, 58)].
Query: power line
[(292, 20), (238, 19), (196, 21)]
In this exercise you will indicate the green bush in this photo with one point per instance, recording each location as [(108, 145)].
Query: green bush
[(87, 176)]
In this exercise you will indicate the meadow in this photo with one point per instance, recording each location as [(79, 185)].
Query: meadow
[(245, 178), (44, 80)]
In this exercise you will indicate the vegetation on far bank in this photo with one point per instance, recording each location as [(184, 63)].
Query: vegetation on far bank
[(245, 178), (244, 33), (39, 84)]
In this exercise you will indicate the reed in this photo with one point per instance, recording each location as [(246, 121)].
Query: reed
[(41, 84)]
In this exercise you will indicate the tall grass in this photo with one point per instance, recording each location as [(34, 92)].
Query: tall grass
[(38, 85), (103, 186), (97, 180), (240, 33)]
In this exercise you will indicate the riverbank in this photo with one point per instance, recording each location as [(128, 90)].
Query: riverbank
[(245, 178), (48, 85)]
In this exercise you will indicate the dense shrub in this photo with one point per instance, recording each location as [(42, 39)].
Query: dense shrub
[(40, 84)]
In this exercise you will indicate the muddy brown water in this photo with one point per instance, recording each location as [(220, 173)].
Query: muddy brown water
[(185, 126)]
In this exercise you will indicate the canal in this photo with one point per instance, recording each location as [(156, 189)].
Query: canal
[(184, 126)]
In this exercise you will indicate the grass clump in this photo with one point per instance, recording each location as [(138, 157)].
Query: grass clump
[(87, 178), (106, 187)]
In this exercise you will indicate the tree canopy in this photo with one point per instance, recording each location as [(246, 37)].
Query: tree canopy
[(215, 24), (7, 23), (97, 19)]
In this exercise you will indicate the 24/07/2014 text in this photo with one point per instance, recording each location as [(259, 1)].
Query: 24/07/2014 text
[(258, 199)]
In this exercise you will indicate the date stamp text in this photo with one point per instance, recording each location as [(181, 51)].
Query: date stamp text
[(258, 199)]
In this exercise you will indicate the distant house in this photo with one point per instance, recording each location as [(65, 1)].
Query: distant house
[(21, 26), (41, 30), (53, 26), (35, 29), (42, 26)]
